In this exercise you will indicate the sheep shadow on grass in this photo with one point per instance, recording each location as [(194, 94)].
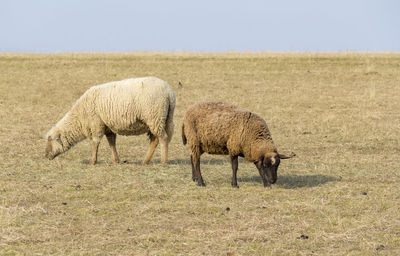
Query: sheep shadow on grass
[(290, 181), (209, 161), (184, 162)]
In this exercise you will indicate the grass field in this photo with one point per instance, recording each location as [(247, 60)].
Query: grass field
[(340, 113)]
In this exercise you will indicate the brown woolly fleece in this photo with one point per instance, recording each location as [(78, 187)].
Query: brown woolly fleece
[(222, 128)]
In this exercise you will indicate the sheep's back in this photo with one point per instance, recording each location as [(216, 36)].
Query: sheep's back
[(213, 125), (133, 106)]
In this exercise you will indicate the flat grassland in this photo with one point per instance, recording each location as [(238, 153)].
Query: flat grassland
[(340, 113)]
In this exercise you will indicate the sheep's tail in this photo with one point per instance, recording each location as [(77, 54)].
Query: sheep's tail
[(184, 140), (169, 123)]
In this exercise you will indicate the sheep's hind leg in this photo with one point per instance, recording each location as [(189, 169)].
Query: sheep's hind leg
[(111, 138), (234, 162), (153, 145), (164, 148), (95, 144), (196, 163)]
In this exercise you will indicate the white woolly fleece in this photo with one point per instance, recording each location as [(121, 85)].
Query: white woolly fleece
[(128, 107)]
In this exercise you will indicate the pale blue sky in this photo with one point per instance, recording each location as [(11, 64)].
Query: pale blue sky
[(206, 25)]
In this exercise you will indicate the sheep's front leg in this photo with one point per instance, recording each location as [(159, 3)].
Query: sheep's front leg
[(194, 177), (153, 145), (235, 164), (196, 164), (95, 144), (111, 138)]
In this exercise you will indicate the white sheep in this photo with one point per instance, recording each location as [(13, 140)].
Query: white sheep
[(128, 107)]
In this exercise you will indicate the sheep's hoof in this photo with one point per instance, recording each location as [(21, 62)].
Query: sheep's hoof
[(92, 162), (201, 184), (194, 179), (145, 163), (235, 186)]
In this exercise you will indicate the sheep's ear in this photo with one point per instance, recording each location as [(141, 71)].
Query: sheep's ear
[(281, 156)]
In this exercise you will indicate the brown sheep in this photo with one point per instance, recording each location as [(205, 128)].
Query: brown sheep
[(224, 129)]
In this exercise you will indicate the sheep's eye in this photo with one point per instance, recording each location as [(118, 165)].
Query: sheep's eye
[(267, 164)]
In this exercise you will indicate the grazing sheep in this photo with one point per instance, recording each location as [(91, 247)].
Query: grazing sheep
[(224, 129), (128, 107)]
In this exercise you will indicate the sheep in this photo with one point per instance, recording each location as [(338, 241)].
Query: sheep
[(129, 107), (224, 129)]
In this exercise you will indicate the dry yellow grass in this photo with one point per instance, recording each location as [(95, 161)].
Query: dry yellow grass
[(340, 113)]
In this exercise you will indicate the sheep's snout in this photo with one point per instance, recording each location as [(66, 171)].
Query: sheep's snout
[(48, 150), (271, 175), (49, 156)]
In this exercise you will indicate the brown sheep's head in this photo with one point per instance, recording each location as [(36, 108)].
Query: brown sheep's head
[(268, 164), (54, 146)]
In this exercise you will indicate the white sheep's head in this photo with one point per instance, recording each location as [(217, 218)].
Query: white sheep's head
[(268, 164), (54, 146)]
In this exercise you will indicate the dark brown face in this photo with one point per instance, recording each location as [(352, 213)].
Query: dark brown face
[(268, 168), (268, 165)]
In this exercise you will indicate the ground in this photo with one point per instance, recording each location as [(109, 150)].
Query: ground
[(340, 113)]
